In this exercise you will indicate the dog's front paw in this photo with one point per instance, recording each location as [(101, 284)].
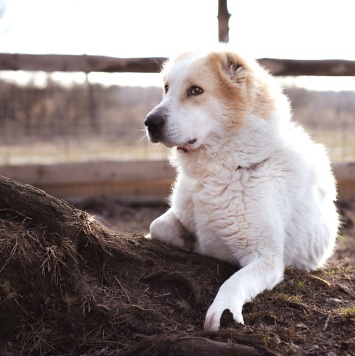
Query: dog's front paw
[(221, 303)]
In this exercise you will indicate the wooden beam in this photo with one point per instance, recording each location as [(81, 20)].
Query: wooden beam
[(324, 67), (132, 180), (129, 180), (89, 172), (78, 63), (344, 172), (75, 63)]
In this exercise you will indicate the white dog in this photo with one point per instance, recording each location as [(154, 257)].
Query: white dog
[(252, 188)]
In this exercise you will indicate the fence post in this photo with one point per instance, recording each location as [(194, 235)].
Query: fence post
[(223, 19)]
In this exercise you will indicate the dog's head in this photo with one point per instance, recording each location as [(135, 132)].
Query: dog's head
[(205, 96)]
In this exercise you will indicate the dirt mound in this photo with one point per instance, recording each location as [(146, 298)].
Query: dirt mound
[(78, 288)]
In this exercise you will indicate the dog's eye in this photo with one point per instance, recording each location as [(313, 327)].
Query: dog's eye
[(166, 88), (195, 90)]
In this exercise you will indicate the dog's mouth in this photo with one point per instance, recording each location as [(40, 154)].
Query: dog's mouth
[(186, 148)]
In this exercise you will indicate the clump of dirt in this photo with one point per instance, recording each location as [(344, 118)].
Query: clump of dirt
[(104, 292)]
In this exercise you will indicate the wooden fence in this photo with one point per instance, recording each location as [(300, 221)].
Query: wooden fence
[(87, 64), (143, 180), (131, 180)]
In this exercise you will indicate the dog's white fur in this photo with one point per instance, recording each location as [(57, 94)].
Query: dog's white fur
[(252, 188)]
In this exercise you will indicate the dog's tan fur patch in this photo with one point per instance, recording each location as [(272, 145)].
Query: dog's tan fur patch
[(227, 77)]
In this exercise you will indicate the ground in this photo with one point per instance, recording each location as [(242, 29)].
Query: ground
[(113, 292)]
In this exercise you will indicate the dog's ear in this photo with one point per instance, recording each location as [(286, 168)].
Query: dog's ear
[(235, 68)]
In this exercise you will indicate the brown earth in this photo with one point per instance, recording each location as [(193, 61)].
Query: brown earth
[(105, 291)]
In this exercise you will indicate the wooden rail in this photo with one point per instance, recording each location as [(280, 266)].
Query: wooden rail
[(76, 63), (132, 180), (84, 63), (128, 180)]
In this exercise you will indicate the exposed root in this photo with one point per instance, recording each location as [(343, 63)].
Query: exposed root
[(179, 277), (191, 345)]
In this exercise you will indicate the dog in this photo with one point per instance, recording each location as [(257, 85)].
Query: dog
[(252, 188)]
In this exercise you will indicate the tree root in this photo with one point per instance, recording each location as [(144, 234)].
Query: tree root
[(176, 276), (167, 345)]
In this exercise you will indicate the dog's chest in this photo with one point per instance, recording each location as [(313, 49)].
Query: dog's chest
[(218, 193), (221, 212)]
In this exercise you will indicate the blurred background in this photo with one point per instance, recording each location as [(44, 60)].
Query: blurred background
[(79, 133)]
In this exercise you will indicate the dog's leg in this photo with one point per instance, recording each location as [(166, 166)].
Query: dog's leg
[(168, 228), (257, 276)]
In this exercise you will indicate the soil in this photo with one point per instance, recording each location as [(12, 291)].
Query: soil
[(113, 292)]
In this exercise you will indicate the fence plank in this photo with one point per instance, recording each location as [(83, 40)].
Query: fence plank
[(76, 63), (135, 180), (89, 172), (324, 67)]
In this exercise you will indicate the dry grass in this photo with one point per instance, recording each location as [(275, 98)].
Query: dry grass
[(340, 145), (61, 151), (86, 122)]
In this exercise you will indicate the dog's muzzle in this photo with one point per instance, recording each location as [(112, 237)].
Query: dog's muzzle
[(155, 123)]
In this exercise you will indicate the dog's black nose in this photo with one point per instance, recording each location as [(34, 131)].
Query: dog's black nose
[(154, 121)]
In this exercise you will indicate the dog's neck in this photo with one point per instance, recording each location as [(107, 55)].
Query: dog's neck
[(246, 148), (201, 163), (247, 165)]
